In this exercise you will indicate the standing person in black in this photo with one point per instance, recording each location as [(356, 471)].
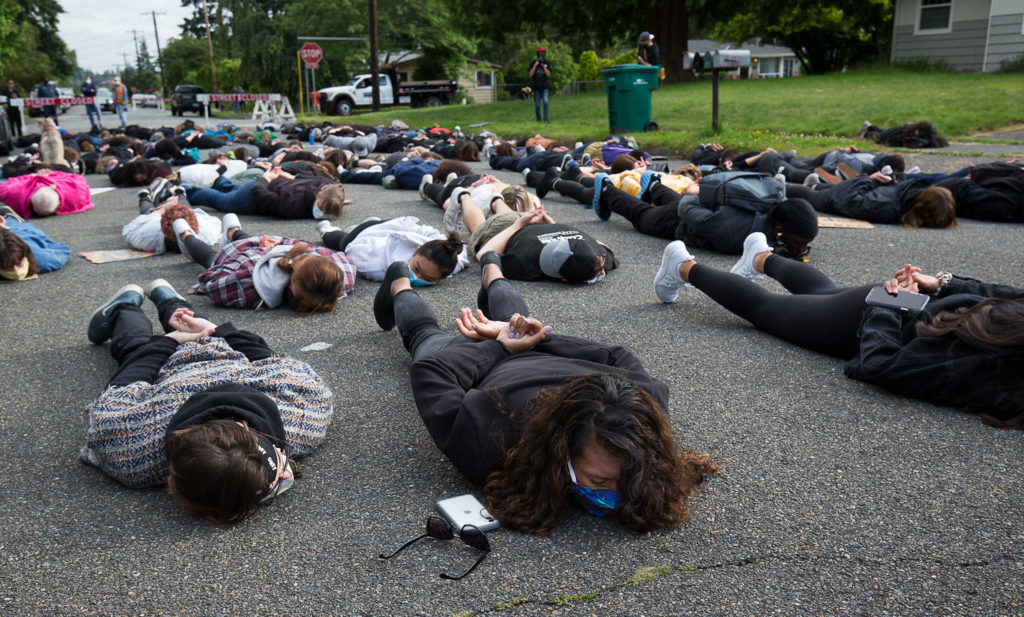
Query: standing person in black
[(89, 89), (47, 90), (647, 51), (13, 113), (540, 70)]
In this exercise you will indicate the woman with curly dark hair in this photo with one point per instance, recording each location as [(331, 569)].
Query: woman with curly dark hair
[(543, 421)]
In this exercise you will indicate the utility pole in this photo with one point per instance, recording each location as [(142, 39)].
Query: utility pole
[(209, 44), (375, 60), (135, 37), (124, 55), (159, 57)]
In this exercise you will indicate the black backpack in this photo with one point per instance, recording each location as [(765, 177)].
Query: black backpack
[(747, 190)]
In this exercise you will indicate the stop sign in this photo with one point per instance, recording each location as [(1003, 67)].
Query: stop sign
[(311, 54)]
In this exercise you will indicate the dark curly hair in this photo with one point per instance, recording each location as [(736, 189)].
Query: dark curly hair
[(530, 492)]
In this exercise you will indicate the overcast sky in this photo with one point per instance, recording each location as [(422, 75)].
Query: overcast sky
[(100, 31)]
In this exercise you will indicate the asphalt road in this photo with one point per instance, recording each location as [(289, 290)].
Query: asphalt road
[(836, 498)]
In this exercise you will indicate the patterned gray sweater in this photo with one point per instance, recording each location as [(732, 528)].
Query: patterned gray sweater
[(127, 424)]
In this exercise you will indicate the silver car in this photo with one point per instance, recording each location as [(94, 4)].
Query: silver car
[(105, 99)]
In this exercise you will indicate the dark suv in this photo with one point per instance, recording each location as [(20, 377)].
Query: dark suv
[(184, 99)]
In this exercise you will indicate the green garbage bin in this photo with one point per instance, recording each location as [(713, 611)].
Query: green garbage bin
[(629, 89)]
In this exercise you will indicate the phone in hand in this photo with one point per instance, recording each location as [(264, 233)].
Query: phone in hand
[(905, 301), (466, 510)]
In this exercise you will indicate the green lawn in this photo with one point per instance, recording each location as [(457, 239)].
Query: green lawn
[(808, 114)]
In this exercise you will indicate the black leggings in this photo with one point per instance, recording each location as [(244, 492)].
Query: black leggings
[(818, 197), (818, 315), (439, 193), (339, 240), (204, 254), (576, 190), (657, 221), (418, 325)]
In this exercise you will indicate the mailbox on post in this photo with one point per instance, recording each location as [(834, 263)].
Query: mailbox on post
[(716, 61)]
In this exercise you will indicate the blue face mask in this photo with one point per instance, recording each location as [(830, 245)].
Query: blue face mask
[(417, 282), (319, 214), (597, 501), (596, 279)]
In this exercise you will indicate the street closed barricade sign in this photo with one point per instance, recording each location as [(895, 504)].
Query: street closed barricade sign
[(64, 100)]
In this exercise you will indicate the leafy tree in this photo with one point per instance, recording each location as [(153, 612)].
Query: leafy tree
[(181, 56), (825, 36), (43, 15), (30, 48)]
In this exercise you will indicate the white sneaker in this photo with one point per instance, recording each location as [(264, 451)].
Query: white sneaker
[(812, 179), (863, 130), (453, 215), (667, 281), (914, 170), (452, 177), (180, 226), (229, 222), (325, 227), (526, 172), (424, 181), (755, 244)]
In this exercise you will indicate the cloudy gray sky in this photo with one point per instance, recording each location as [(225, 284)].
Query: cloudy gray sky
[(100, 31)]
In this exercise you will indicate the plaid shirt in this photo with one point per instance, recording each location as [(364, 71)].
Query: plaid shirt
[(228, 282)]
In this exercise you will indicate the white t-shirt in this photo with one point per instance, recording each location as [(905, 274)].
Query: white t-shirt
[(378, 246), (143, 232), (204, 174)]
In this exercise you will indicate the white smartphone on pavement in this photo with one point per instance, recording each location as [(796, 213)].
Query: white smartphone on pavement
[(466, 510)]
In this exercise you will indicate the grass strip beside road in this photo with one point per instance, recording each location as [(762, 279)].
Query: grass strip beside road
[(809, 114)]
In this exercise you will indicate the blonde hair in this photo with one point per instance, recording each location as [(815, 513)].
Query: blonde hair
[(331, 199), (517, 198), (689, 170)]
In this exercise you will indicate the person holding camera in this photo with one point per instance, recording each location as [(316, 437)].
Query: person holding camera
[(647, 52), (542, 420), (210, 411), (964, 347), (540, 70)]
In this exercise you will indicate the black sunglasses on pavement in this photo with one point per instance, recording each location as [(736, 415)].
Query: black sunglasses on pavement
[(439, 529)]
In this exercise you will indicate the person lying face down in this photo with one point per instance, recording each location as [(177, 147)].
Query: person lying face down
[(211, 411), (544, 422)]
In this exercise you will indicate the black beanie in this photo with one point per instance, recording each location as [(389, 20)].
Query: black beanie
[(797, 216)]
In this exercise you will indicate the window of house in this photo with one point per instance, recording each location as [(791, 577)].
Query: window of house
[(935, 17), (485, 79)]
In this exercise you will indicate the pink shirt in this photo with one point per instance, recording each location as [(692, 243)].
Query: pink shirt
[(73, 191)]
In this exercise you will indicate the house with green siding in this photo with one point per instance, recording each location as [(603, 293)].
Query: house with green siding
[(969, 35)]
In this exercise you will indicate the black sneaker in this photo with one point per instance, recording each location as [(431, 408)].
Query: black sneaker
[(384, 302), (572, 173), (100, 329), (550, 177)]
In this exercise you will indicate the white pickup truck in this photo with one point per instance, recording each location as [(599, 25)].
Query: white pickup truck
[(358, 92)]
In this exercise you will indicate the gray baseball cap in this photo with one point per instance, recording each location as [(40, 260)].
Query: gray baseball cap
[(571, 259)]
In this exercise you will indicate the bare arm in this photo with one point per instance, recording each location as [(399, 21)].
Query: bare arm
[(500, 241)]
